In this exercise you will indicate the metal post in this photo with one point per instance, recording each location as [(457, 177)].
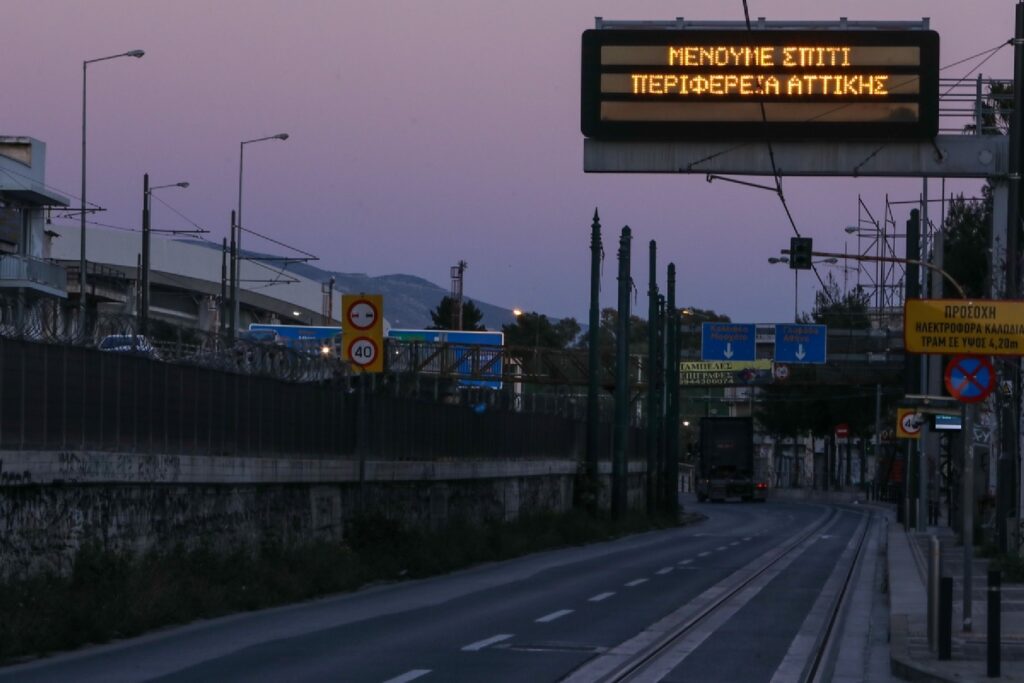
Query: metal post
[(81, 256), (652, 381), (144, 276), (912, 366), (594, 353), (620, 496), (994, 634), (967, 533), (945, 618), (1008, 461), (934, 574), (672, 395), (235, 270), (878, 436), (233, 323), (222, 310)]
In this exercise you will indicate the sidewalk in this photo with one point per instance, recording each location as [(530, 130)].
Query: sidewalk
[(910, 656)]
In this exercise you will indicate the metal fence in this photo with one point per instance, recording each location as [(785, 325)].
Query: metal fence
[(67, 397)]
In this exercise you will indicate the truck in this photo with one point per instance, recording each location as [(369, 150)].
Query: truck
[(727, 460)]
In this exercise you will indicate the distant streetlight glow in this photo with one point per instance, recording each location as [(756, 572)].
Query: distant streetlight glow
[(517, 312)]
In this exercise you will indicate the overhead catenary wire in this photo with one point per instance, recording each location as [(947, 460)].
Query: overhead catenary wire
[(775, 172)]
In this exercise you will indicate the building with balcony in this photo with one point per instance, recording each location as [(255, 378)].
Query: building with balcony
[(32, 286)]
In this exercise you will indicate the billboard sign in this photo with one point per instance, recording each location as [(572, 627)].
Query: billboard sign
[(667, 84)]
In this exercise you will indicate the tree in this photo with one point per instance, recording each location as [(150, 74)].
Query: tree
[(966, 235), (846, 311), (534, 329), (441, 317)]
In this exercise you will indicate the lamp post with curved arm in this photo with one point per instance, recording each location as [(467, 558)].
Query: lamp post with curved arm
[(235, 270), (147, 191), (81, 259)]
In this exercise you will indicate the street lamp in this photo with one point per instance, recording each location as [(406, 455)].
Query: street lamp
[(235, 270), (147, 192), (81, 257)]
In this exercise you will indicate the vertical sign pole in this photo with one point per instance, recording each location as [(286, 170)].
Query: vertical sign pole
[(912, 369), (967, 486)]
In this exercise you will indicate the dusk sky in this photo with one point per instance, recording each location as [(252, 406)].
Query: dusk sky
[(423, 133)]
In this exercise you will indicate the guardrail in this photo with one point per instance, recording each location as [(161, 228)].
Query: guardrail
[(17, 267)]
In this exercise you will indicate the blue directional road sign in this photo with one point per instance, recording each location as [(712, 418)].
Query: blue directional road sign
[(727, 341), (800, 343)]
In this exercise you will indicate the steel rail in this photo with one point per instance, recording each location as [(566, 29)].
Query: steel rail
[(637, 666)]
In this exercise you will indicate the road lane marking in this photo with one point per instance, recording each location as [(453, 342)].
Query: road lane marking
[(554, 615), (685, 561), (665, 570), (735, 543), (481, 644), (704, 554), (747, 538), (636, 582), (721, 547), (408, 676), (600, 596)]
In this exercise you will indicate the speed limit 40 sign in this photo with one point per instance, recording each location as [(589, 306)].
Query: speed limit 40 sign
[(362, 331)]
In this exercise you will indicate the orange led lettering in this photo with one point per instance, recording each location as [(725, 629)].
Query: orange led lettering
[(639, 84), (878, 85), (787, 56), (771, 86), (794, 86)]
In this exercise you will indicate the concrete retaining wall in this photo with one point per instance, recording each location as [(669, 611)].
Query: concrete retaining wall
[(51, 503)]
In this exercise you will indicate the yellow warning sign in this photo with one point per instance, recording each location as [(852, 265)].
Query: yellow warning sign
[(956, 326), (908, 423)]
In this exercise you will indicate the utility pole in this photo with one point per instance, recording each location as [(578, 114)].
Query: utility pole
[(912, 367), (652, 381), (222, 312), (456, 297), (1008, 463), (620, 494), (672, 395), (233, 323), (144, 276), (594, 354)]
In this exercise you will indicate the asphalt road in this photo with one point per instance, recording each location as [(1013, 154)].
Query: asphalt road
[(537, 618)]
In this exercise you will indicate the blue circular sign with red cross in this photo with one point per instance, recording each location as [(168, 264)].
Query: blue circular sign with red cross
[(970, 378)]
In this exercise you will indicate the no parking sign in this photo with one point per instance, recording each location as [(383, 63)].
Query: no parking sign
[(970, 379)]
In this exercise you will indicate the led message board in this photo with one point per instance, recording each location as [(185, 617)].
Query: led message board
[(696, 84)]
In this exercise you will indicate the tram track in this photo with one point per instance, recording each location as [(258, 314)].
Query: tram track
[(651, 655)]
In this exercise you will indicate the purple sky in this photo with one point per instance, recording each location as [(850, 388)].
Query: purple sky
[(422, 133)]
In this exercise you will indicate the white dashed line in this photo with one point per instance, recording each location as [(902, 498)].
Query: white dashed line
[(747, 538), (635, 582), (721, 547), (481, 644), (685, 561), (664, 570), (600, 596), (735, 543), (408, 676), (554, 615), (704, 554)]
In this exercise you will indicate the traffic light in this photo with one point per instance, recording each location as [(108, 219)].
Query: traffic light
[(800, 249)]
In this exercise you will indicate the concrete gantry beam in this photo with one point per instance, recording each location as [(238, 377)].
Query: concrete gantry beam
[(948, 156)]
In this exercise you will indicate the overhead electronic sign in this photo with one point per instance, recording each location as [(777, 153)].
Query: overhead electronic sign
[(655, 84)]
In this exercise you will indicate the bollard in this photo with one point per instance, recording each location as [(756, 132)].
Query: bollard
[(934, 572), (945, 618), (994, 636)]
